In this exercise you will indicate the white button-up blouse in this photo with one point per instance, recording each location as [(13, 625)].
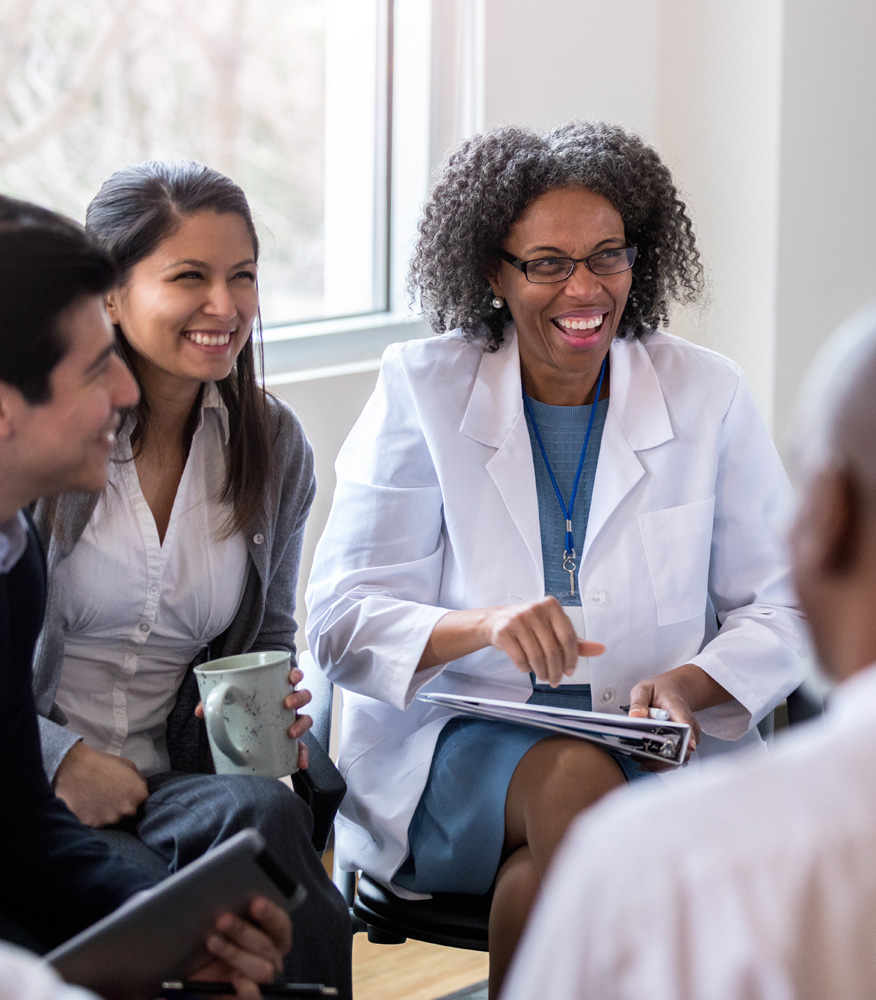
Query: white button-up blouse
[(136, 611)]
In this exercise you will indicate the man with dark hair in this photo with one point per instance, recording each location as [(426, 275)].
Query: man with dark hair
[(39, 245), (754, 881), (62, 385)]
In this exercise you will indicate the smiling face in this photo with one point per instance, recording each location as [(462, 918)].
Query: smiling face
[(65, 442), (188, 308), (564, 329)]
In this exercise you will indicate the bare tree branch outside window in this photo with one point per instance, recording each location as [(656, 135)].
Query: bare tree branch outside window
[(90, 86)]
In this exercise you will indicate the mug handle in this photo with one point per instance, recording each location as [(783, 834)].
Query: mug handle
[(214, 715)]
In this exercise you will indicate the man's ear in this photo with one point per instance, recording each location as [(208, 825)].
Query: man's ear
[(9, 397), (836, 522), (111, 301)]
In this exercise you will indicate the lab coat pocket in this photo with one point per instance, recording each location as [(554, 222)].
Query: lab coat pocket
[(678, 542)]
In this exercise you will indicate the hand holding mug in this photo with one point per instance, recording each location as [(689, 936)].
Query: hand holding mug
[(246, 703)]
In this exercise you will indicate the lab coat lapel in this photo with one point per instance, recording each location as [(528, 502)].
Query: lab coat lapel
[(637, 420), (494, 417)]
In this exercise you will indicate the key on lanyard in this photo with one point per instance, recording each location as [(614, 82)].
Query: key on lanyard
[(569, 567)]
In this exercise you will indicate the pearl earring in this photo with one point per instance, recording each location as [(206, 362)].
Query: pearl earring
[(497, 302)]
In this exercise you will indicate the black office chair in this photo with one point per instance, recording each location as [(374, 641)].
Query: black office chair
[(800, 706), (456, 920), (804, 704)]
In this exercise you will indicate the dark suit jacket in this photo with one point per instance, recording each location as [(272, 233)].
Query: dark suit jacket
[(57, 876)]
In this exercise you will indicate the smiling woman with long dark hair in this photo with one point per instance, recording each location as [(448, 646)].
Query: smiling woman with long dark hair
[(190, 553)]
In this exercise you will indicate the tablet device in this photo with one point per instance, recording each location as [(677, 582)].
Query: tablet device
[(157, 934)]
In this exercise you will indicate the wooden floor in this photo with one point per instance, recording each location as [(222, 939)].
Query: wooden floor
[(413, 970)]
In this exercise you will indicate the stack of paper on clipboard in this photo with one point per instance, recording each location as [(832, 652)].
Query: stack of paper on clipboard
[(647, 739)]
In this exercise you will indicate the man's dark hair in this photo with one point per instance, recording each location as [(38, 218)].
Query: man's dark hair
[(47, 263)]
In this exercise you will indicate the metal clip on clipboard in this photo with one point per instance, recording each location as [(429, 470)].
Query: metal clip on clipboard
[(645, 739), (664, 744)]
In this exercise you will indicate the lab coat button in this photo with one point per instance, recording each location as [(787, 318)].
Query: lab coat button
[(597, 596), (259, 539), (608, 696), (144, 626)]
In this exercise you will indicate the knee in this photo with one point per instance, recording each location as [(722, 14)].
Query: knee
[(586, 768), (571, 773), (264, 803)]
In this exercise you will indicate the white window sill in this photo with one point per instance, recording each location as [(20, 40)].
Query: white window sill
[(304, 351)]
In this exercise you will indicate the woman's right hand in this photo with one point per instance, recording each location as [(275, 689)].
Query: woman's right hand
[(539, 638), (99, 788)]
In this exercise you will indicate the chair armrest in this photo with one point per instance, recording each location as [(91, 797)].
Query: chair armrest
[(805, 703), (322, 788)]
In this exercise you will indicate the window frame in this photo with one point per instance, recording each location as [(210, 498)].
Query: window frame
[(433, 67)]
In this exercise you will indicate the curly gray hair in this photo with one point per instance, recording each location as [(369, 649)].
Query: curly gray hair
[(487, 181)]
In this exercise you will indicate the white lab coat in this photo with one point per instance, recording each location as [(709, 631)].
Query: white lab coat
[(436, 509)]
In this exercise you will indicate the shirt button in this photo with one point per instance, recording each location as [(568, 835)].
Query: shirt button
[(608, 696), (144, 626), (597, 596), (153, 589), (259, 539)]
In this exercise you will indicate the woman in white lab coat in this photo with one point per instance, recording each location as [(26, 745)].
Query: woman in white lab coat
[(551, 474)]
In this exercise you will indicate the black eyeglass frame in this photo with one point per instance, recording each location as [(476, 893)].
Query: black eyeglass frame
[(523, 265)]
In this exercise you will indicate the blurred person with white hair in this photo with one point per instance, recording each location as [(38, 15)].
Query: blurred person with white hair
[(756, 880)]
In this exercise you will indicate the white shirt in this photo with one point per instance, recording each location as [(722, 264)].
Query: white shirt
[(23, 976), (13, 541), (136, 611), (754, 882)]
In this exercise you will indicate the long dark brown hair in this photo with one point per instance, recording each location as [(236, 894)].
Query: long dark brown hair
[(134, 211)]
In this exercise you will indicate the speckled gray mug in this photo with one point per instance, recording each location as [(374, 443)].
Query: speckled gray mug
[(247, 724)]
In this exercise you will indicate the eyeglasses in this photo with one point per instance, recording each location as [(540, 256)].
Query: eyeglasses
[(545, 270)]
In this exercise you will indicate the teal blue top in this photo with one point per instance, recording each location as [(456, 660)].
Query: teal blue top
[(562, 430)]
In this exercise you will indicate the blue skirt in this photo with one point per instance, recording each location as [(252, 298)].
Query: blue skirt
[(456, 834)]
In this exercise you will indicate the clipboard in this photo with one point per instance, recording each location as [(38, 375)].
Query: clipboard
[(158, 933), (644, 739)]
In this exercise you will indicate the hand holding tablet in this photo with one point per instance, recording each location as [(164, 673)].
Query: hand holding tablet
[(159, 934)]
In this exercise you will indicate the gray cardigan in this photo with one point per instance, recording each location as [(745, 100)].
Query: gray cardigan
[(265, 619)]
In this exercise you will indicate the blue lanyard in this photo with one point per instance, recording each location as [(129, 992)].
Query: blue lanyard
[(569, 553)]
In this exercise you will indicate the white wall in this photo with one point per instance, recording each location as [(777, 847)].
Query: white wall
[(546, 61), (327, 408), (827, 199), (719, 81)]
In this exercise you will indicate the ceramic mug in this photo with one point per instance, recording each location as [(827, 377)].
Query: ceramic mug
[(247, 724)]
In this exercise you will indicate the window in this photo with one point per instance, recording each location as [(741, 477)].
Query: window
[(329, 113), (288, 97)]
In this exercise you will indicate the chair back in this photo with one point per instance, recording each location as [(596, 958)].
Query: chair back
[(322, 689), (321, 786)]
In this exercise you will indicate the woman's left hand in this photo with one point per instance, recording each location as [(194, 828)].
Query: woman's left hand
[(681, 692), (295, 701)]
